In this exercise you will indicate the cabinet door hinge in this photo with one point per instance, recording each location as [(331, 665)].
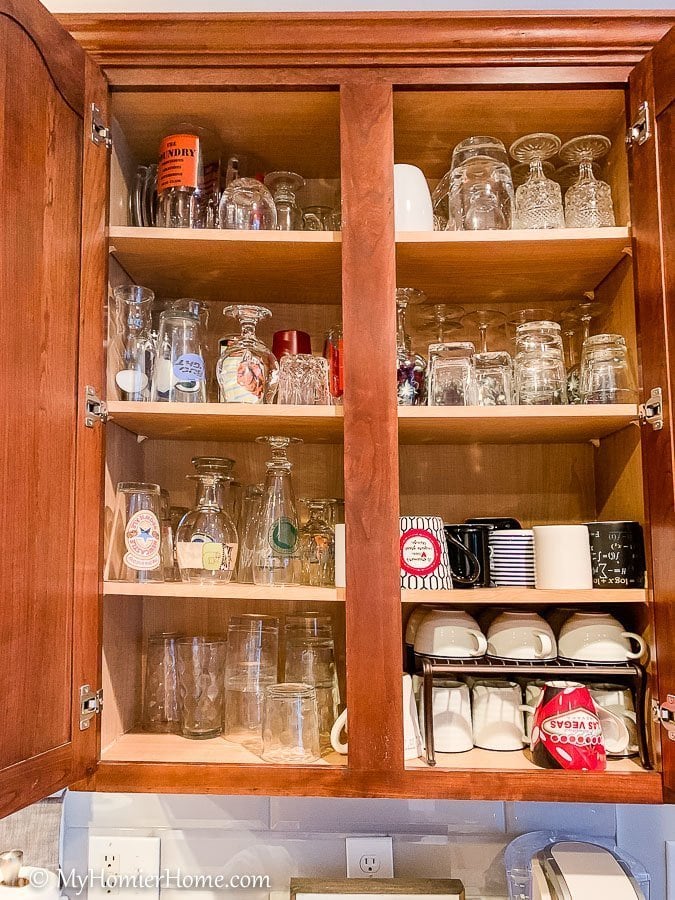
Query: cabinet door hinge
[(91, 703), (100, 133), (94, 408), (651, 412), (640, 129)]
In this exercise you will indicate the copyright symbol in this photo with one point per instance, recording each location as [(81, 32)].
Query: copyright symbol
[(38, 878)]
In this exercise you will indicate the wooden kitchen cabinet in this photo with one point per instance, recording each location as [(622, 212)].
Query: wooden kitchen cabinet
[(339, 96)]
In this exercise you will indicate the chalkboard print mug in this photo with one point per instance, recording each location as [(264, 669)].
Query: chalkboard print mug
[(424, 554), (617, 554)]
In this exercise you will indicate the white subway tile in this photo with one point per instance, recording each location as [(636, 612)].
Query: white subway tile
[(584, 818)]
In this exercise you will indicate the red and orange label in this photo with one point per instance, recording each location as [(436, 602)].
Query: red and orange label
[(178, 162)]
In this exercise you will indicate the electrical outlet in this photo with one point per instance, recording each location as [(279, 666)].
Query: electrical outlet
[(370, 857), (119, 860)]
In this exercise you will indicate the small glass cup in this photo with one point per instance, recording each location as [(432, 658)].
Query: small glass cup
[(180, 374), (494, 378), (135, 551), (606, 371), (318, 218), (291, 724), (247, 205), (284, 187), (303, 380), (201, 663), (317, 546), (452, 379), (541, 379), (160, 686), (310, 659), (333, 351)]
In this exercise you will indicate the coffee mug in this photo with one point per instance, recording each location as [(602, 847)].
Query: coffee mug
[(469, 554), (599, 638), (498, 523), (450, 633), (424, 554), (617, 554), (566, 730), (498, 722), (618, 700), (562, 557), (413, 210), (412, 737), (412, 625), (533, 691), (519, 634), (451, 710), (557, 617)]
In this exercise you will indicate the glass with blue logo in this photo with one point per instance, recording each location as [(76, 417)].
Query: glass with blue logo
[(180, 373)]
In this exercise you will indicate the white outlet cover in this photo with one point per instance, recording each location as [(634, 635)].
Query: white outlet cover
[(379, 848), (128, 856)]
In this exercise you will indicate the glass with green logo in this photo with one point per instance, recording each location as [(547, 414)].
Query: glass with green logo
[(275, 556)]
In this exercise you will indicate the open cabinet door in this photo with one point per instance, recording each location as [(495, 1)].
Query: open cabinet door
[(653, 192), (53, 182)]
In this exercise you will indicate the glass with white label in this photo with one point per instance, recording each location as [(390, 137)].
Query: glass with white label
[(180, 373), (206, 541), (131, 344), (135, 551)]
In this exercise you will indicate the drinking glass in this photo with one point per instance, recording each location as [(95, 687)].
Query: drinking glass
[(437, 322), (310, 659), (317, 547), (303, 380), (309, 624), (247, 532), (222, 466), (169, 568), (318, 218), (540, 378), (180, 374), (275, 555), (134, 348), (284, 186), (160, 685), (247, 371), (575, 317), (477, 192), (291, 724), (588, 202), (206, 542), (452, 380), (188, 177), (410, 366), (606, 371), (135, 552), (494, 378), (201, 664), (539, 200), (333, 351), (247, 205), (484, 319), (251, 665)]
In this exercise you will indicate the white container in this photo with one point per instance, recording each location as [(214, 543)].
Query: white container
[(413, 210), (562, 558)]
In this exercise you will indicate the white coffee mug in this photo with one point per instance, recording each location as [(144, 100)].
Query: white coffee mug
[(598, 637), (450, 633), (615, 734), (412, 736), (520, 634), (533, 691), (617, 699), (413, 210), (451, 707), (414, 621), (562, 557), (498, 722)]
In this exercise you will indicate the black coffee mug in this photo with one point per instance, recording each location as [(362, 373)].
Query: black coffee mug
[(499, 523), (617, 554), (469, 553)]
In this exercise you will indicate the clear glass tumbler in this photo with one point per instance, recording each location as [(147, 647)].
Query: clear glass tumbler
[(541, 379), (135, 551), (606, 371), (317, 546), (188, 177), (494, 378), (247, 205), (201, 664), (248, 528), (452, 377), (310, 659), (132, 346), (160, 685), (303, 380), (291, 724), (180, 374)]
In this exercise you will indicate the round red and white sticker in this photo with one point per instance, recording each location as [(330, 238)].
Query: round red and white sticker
[(420, 552)]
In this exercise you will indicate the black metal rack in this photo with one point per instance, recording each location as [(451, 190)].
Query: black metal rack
[(632, 674)]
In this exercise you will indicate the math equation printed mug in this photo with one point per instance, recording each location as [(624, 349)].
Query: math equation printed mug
[(425, 564)]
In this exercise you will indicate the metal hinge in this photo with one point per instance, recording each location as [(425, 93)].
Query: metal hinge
[(95, 409), (100, 133), (91, 704), (651, 412), (664, 713), (641, 129)]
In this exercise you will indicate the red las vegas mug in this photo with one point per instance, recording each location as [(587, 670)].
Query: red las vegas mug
[(566, 730)]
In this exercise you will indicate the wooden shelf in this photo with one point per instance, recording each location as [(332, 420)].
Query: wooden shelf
[(227, 421), (515, 760), (519, 596), (511, 424), (232, 591), (509, 266), (232, 266), (172, 748)]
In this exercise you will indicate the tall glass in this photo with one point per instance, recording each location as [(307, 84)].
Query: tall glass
[(275, 558), (160, 685), (291, 725), (135, 552), (317, 547), (188, 177), (452, 378), (206, 543), (248, 531), (201, 663), (134, 349), (247, 371), (180, 374), (310, 659)]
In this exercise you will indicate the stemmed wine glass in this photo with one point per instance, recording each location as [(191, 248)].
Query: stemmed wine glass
[(438, 320), (247, 371), (578, 314), (410, 366), (588, 202), (539, 200), (284, 186), (484, 319)]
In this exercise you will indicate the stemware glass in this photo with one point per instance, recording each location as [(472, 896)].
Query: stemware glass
[(247, 371), (433, 324), (134, 346), (569, 174), (317, 546), (588, 202), (539, 200), (411, 367), (222, 466), (179, 373), (276, 545), (206, 542), (521, 172), (484, 319), (247, 205), (284, 186)]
